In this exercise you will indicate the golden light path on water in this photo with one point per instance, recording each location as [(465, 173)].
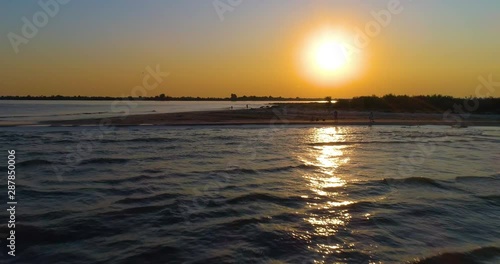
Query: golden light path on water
[(327, 155)]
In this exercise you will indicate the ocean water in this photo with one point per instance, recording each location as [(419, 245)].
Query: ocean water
[(28, 112), (255, 194)]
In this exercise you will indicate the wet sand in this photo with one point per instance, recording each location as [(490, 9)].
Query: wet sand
[(282, 115)]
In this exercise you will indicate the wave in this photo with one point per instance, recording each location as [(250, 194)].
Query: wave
[(288, 168), (477, 178), (223, 138), (493, 199), (134, 211), (242, 222), (157, 254), (423, 181), (130, 179), (235, 171), (66, 141), (152, 171), (52, 215), (356, 206), (43, 194), (347, 143), (35, 162), (471, 257), (263, 197), (144, 140), (104, 161), (159, 197), (485, 138), (266, 170), (40, 153)]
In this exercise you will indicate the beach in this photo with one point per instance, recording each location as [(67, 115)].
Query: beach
[(287, 114)]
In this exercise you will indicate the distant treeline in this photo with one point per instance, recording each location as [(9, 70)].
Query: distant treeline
[(386, 103), (161, 97), (422, 104)]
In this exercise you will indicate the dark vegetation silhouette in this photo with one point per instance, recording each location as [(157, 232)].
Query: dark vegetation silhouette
[(421, 104), (413, 104), (161, 97)]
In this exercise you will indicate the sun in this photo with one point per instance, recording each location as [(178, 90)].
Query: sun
[(327, 55), (326, 58)]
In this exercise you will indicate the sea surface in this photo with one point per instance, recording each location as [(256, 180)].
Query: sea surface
[(255, 194), (29, 112)]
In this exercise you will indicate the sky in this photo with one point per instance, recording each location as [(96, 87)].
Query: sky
[(249, 47)]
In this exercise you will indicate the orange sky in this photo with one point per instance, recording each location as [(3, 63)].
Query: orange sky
[(94, 48)]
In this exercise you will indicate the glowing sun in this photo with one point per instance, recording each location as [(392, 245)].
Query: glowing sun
[(326, 59), (328, 55)]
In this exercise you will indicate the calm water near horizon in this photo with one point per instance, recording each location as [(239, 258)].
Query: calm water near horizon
[(33, 111), (256, 194)]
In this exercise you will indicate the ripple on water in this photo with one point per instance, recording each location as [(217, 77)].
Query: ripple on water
[(301, 195)]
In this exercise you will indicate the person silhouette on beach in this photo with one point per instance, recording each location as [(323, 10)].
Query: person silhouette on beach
[(372, 119), (335, 116)]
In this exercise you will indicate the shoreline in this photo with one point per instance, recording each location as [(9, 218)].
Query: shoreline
[(277, 115)]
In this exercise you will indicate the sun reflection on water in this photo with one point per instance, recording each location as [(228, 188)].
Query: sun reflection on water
[(327, 214)]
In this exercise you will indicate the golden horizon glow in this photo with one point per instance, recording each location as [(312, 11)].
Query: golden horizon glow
[(282, 53)]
